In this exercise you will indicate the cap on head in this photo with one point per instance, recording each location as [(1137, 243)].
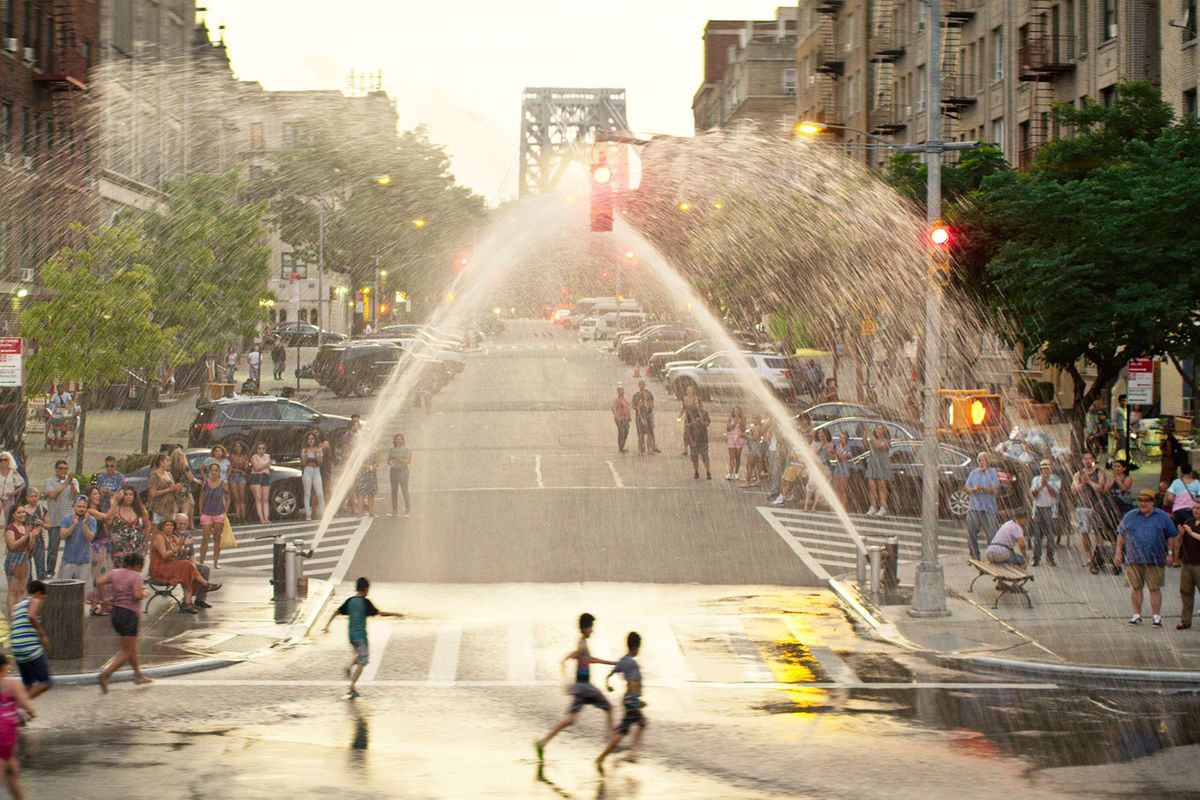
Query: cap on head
[(1145, 495)]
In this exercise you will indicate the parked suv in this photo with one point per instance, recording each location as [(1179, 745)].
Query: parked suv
[(727, 373), (694, 353), (278, 421), (358, 368), (302, 334), (638, 349)]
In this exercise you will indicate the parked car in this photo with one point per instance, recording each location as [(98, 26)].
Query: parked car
[(611, 323), (638, 349), (287, 490), (302, 334), (278, 421), (727, 373), (356, 367), (824, 412), (858, 427), (645, 327), (694, 352), (904, 491)]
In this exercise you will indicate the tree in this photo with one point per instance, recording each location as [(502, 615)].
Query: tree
[(1091, 254), (95, 317), (210, 260), (417, 223)]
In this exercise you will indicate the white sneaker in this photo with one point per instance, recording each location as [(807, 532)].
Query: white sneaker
[(881, 512), (870, 512), (778, 501), (308, 517)]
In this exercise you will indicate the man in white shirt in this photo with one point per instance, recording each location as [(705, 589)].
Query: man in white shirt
[(1044, 489), (1008, 545)]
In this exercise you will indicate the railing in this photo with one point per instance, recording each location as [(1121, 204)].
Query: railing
[(959, 90), (830, 60), (1046, 56), (885, 119), (65, 65)]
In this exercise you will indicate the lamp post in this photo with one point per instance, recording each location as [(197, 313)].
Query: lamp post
[(929, 586)]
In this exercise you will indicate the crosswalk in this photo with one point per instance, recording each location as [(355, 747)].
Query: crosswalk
[(722, 652), (821, 539), (332, 552)]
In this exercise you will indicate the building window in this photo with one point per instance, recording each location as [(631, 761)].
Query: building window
[(1189, 105), (10, 28), (789, 81), (1108, 22), (1108, 96), (6, 128), (997, 54), (28, 134), (998, 132), (921, 88), (292, 263), (1189, 21), (256, 136), (1083, 27)]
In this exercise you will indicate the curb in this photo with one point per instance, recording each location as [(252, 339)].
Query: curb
[(301, 630), (161, 671), (1071, 673)]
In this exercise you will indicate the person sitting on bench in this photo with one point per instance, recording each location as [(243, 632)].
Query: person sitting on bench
[(1008, 545), (169, 565)]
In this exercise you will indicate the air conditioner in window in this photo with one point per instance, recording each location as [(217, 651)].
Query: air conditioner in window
[(789, 90), (29, 55), (26, 274), (28, 162), (11, 45)]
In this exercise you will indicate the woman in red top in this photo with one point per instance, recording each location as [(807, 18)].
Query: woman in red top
[(169, 564)]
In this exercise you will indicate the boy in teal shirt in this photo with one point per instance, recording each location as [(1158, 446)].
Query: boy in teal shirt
[(357, 609)]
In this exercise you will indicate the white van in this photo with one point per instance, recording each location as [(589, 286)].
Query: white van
[(612, 322), (587, 329)]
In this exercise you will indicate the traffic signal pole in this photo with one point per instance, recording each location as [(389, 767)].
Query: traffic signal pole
[(929, 585)]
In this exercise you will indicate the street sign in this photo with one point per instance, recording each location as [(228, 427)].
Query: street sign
[(294, 295), (11, 374), (1139, 386)]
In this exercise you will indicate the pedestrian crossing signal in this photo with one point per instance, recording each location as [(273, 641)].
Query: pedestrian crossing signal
[(968, 412)]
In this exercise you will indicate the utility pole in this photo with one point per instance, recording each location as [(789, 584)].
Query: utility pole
[(320, 273), (929, 585)]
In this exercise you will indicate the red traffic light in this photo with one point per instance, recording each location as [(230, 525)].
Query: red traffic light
[(939, 234)]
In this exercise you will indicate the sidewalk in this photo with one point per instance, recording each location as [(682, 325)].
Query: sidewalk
[(243, 621), (1078, 625)]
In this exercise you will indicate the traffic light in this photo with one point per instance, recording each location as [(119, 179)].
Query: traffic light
[(940, 268), (602, 197), (968, 412)]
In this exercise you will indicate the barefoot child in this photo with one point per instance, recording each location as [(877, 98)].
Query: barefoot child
[(357, 609), (12, 697), (632, 702), (582, 692)]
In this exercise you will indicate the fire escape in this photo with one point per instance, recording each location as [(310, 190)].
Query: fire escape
[(1042, 56), (958, 85), (831, 63), (887, 47), (65, 78)]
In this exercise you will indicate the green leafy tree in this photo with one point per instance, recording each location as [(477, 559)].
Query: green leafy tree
[(415, 225), (211, 262), (95, 318), (1091, 255)]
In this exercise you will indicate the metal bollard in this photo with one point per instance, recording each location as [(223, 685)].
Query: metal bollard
[(860, 568), (892, 581), (278, 568), (290, 571), (876, 554)]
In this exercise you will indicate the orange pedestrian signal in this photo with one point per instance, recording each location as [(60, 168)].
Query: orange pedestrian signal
[(969, 411)]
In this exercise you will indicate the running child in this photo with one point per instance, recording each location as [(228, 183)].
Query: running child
[(582, 692), (13, 698), (632, 702), (357, 609), (28, 642)]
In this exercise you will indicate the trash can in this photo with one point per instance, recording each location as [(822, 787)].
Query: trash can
[(62, 617)]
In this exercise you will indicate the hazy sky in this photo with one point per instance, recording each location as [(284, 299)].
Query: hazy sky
[(459, 66)]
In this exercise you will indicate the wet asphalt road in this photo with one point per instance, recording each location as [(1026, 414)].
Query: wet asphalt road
[(758, 684)]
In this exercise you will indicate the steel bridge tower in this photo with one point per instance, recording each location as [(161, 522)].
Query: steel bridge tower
[(559, 126)]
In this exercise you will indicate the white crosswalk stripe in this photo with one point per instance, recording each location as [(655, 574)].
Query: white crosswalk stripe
[(333, 550), (824, 539)]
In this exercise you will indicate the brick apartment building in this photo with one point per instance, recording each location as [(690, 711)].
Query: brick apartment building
[(46, 147), (749, 74)]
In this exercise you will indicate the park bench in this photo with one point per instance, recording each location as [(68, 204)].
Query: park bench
[(163, 590), (1009, 578)]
